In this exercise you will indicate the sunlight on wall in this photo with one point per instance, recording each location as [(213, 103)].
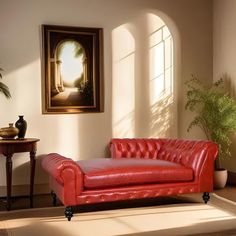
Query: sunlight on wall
[(123, 103), (160, 77), (143, 79)]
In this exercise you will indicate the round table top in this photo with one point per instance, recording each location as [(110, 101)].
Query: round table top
[(14, 141)]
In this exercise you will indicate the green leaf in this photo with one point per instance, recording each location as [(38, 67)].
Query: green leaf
[(5, 90), (214, 109)]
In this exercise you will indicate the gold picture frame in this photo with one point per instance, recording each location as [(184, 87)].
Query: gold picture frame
[(72, 69)]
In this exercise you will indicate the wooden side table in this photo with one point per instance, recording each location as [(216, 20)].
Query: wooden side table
[(8, 148)]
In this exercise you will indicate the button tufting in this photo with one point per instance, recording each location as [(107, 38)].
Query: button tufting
[(189, 154)]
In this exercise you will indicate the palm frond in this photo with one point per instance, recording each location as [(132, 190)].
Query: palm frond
[(5, 90), (0, 72)]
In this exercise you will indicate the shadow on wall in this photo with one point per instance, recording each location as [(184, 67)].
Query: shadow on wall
[(21, 172), (161, 117)]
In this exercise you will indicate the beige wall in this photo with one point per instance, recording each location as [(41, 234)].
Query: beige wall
[(224, 53), (86, 136)]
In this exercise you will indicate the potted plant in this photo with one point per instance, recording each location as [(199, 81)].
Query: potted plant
[(3, 88), (215, 113)]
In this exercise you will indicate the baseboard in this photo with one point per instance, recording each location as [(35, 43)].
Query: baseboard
[(231, 178), (23, 190)]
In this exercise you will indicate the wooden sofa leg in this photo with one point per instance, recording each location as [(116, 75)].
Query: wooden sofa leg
[(206, 197), (54, 198), (69, 212)]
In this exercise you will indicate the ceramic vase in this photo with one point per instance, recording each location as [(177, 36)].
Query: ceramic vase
[(8, 132), (21, 124)]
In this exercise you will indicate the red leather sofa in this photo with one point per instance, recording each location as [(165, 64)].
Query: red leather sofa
[(138, 168)]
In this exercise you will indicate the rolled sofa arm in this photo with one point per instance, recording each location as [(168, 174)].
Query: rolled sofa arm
[(199, 155), (64, 170)]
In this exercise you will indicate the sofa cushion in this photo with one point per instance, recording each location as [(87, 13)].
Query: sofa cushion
[(106, 172)]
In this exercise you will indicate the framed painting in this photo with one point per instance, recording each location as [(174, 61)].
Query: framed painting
[(72, 69)]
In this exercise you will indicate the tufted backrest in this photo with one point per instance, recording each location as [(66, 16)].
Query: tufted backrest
[(189, 153), (135, 148)]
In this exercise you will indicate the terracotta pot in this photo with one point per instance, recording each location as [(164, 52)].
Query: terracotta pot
[(220, 178)]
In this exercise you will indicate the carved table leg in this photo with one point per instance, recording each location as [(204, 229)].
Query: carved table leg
[(9, 179), (32, 173), (206, 197), (54, 198), (69, 212)]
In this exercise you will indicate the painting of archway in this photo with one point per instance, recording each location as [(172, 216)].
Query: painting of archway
[(73, 69)]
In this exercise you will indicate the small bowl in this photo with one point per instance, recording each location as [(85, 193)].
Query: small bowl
[(9, 132)]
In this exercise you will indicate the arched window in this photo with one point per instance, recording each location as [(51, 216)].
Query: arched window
[(143, 79), (160, 77)]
